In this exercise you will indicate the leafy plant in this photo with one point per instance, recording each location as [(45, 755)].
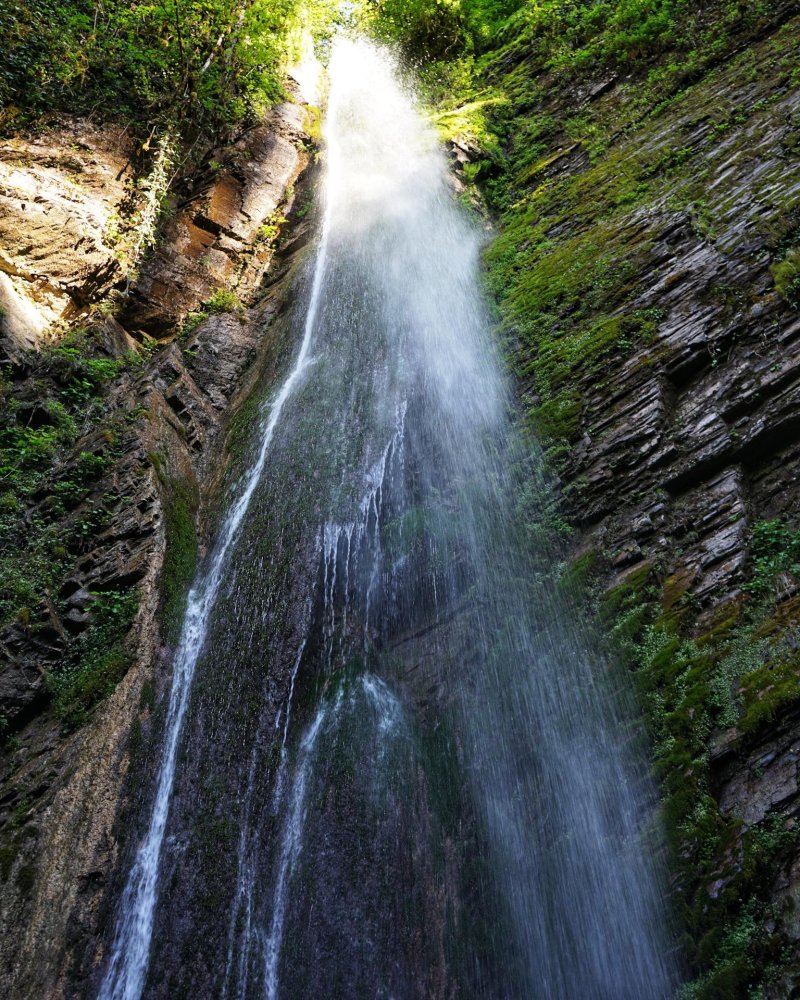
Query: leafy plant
[(212, 62), (97, 660), (222, 301), (787, 276), (774, 549)]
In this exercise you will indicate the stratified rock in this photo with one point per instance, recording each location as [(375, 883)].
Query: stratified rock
[(63, 795)]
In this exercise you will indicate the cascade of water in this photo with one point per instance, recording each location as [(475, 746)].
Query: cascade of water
[(406, 772), (291, 843), (124, 978)]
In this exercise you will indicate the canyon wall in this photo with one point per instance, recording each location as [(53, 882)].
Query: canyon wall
[(645, 269), (128, 383)]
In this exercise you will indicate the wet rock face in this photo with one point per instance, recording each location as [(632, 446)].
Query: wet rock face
[(64, 795), (682, 440)]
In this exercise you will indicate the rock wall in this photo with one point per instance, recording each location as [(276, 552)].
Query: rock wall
[(59, 191), (64, 790), (643, 269)]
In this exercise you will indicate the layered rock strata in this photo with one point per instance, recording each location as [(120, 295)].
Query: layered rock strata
[(62, 794)]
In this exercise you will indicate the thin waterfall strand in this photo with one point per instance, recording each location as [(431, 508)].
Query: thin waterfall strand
[(124, 979)]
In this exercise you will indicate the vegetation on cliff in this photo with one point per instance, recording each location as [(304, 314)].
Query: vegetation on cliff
[(591, 131), (181, 77), (209, 64), (52, 509)]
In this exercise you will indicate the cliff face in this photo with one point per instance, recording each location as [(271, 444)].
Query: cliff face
[(647, 276), (112, 435), (645, 270)]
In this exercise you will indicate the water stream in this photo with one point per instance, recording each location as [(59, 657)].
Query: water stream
[(395, 765)]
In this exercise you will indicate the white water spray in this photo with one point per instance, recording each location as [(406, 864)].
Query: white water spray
[(385, 554)]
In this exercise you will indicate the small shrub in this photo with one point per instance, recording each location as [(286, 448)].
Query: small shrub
[(98, 659), (191, 323), (786, 274), (222, 301), (774, 549)]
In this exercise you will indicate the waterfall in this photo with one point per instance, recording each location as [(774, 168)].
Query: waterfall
[(395, 763), (129, 955)]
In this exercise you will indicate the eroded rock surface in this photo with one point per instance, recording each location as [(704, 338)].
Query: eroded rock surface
[(216, 229), (63, 794), (61, 193)]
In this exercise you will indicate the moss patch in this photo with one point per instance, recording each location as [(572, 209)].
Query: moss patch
[(97, 660), (787, 277), (725, 685), (180, 556)]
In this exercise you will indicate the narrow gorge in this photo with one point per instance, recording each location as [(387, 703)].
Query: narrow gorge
[(399, 529)]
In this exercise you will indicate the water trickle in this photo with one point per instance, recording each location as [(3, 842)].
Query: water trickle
[(291, 839), (129, 957), (404, 771)]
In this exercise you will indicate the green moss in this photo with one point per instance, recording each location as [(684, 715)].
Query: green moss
[(147, 699), (632, 592), (730, 681), (738, 674), (556, 419), (578, 574), (470, 122), (180, 556), (241, 427), (766, 691), (786, 274), (561, 307), (97, 660)]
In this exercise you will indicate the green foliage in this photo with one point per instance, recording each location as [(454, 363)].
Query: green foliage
[(433, 29), (222, 301), (51, 509), (566, 36), (787, 277), (212, 62), (191, 323), (270, 231), (180, 557), (693, 690), (774, 550), (37, 433), (97, 660), (426, 28)]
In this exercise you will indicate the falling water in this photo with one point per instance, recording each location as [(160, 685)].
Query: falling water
[(126, 970), (394, 762)]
